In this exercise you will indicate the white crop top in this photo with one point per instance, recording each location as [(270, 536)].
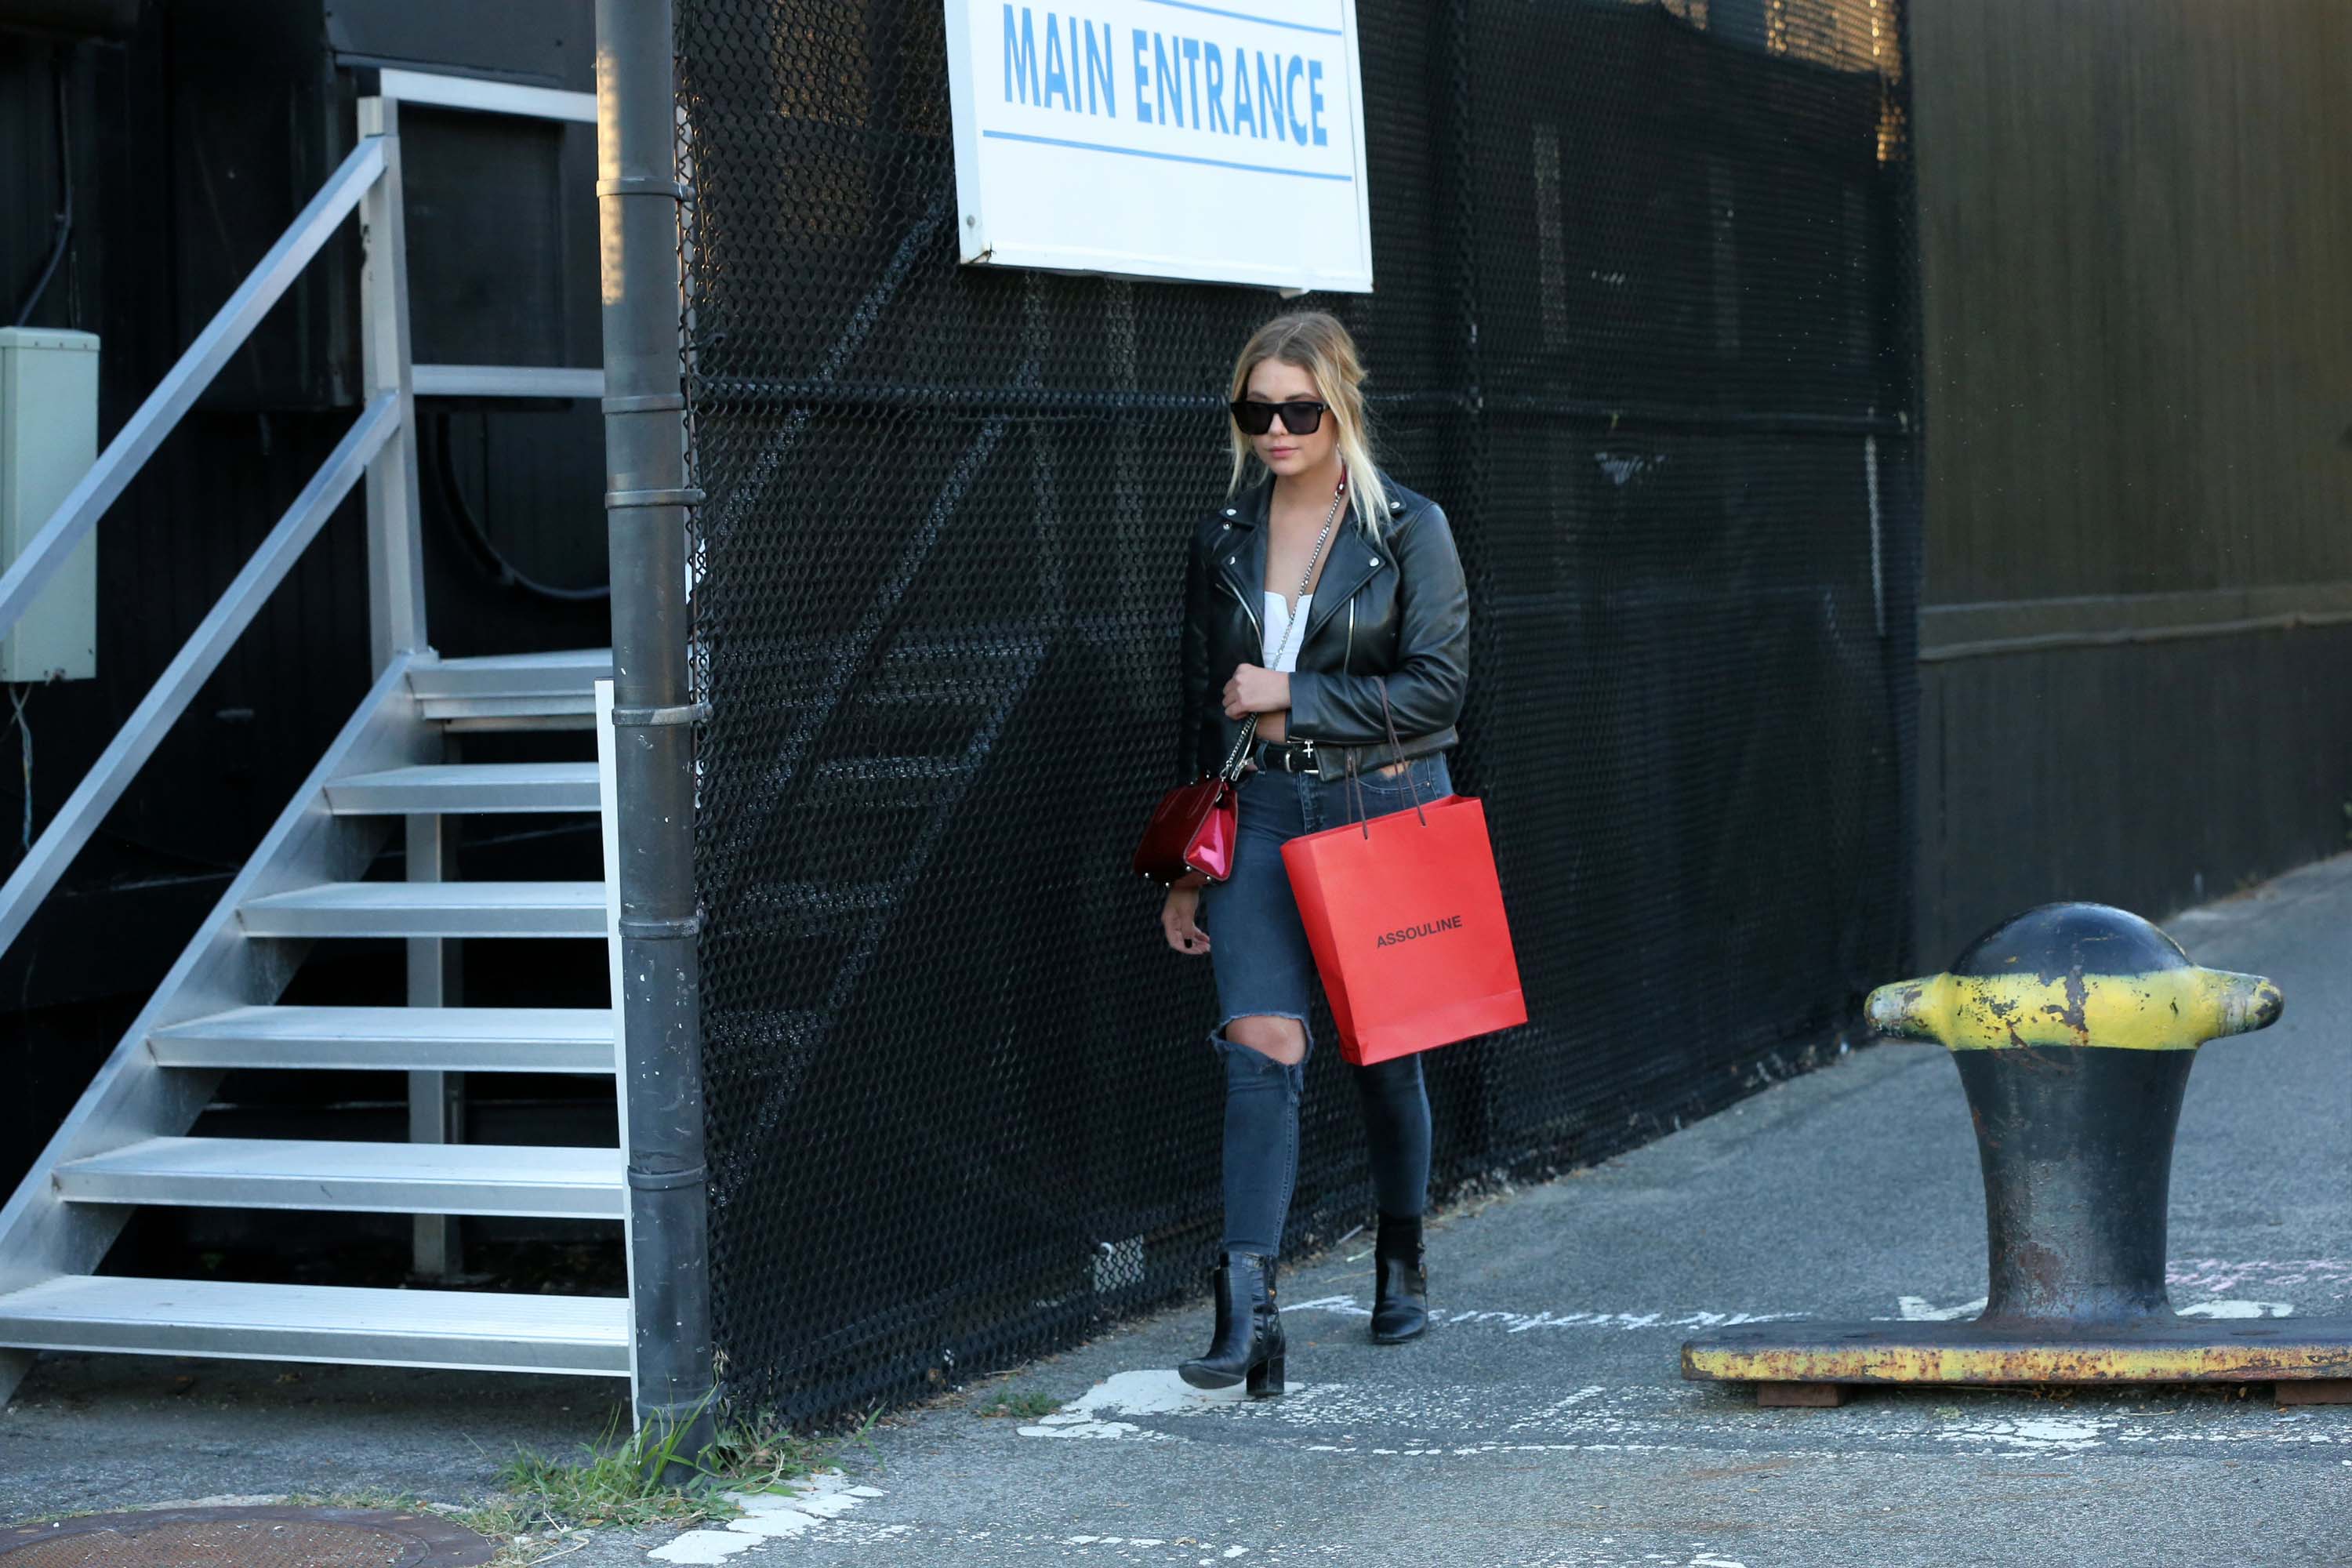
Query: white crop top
[(1284, 632)]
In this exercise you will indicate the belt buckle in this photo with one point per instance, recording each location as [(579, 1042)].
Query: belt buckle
[(1293, 750)]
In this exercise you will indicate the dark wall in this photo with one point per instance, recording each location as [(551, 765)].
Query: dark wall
[(191, 145), (2139, 388)]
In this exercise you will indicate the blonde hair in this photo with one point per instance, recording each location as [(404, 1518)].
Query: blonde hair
[(1316, 343)]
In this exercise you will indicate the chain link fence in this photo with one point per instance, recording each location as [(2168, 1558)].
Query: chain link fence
[(1645, 324)]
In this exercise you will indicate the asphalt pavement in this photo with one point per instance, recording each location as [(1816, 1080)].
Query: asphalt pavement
[(1543, 1421)]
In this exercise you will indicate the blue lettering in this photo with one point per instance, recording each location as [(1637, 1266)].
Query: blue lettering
[(1020, 58), (1314, 98), (1100, 90), (1167, 82), (1290, 75), (1057, 70), (1193, 77), (1243, 118), (1142, 83), (1216, 64), (1269, 108)]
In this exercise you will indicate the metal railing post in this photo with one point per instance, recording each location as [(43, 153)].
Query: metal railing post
[(647, 500), (396, 547), (396, 601), (435, 1099)]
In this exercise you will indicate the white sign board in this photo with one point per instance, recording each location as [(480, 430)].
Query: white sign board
[(1162, 139)]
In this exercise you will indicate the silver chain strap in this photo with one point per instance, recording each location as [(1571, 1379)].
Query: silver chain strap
[(1307, 578)]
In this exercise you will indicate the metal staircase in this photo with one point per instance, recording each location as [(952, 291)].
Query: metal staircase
[(126, 1142)]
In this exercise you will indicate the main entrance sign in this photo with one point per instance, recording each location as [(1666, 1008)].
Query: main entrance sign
[(1162, 139)]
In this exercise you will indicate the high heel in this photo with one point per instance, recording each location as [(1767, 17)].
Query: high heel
[(1248, 1346), (1400, 1282)]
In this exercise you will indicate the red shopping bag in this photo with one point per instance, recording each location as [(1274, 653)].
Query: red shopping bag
[(1405, 918)]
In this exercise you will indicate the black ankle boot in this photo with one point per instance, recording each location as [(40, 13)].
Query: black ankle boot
[(1248, 1346), (1400, 1298)]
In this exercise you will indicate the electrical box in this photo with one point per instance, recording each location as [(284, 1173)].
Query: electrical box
[(48, 439)]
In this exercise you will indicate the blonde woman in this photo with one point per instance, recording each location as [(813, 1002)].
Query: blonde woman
[(1323, 600)]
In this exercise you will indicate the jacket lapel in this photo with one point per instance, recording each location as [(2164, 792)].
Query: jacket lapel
[(1350, 561), (1241, 560), (1353, 561)]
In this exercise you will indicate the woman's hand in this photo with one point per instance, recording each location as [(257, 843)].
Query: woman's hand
[(1256, 690), (1180, 918)]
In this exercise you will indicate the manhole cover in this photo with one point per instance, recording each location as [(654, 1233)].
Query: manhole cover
[(245, 1538)]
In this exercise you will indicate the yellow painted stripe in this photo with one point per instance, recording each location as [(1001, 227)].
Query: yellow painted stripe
[(2167, 1010), (2055, 1362)]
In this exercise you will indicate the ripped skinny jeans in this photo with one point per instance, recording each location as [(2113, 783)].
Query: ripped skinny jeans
[(1263, 968)]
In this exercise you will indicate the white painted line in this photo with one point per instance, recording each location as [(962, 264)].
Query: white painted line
[(1521, 1322), (1156, 1392), (702, 1546), (770, 1523), (2230, 1309), (1913, 1310), (1382, 1422), (2222, 1277), (770, 1516), (2039, 1434)]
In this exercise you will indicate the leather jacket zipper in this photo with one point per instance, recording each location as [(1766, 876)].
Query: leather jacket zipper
[(1254, 625)]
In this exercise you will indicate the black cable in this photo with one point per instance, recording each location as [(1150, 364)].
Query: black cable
[(65, 183), (470, 529)]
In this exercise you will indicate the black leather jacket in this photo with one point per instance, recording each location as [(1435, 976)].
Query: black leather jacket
[(1395, 607)]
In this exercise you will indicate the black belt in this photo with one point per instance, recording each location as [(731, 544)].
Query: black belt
[(1283, 756), (1329, 760)]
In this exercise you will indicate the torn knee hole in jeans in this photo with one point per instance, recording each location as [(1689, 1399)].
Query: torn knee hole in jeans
[(1224, 1042)]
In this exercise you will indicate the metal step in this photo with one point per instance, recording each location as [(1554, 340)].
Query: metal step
[(468, 1330), (510, 686), (379, 1178), (469, 787), (410, 1040), (430, 909)]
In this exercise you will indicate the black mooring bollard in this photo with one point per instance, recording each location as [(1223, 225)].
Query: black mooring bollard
[(2074, 1027)]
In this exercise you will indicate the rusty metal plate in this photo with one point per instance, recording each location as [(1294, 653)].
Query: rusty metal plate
[(2318, 1391), (245, 1538), (2153, 1350)]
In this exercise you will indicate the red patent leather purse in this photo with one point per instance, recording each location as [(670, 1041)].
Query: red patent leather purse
[(1195, 825)]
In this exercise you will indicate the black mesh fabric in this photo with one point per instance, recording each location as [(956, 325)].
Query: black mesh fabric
[(1645, 324)]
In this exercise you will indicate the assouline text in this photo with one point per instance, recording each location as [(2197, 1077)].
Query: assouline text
[(1412, 933)]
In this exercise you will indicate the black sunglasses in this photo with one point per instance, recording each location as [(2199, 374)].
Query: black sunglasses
[(1255, 418)]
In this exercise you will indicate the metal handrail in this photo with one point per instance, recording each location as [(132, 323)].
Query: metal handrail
[(141, 733), (46, 553), (505, 381), (137, 440), (430, 90)]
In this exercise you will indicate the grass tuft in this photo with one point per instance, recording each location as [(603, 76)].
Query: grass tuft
[(610, 1485), (1027, 1403)]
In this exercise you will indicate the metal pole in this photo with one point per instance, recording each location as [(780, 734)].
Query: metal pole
[(395, 541), (647, 500)]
